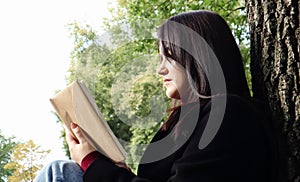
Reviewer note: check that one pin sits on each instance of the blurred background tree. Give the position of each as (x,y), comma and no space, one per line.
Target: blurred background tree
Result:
(26,160)
(7,145)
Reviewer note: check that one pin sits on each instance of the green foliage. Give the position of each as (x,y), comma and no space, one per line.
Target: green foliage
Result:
(84,39)
(7,145)
(232,11)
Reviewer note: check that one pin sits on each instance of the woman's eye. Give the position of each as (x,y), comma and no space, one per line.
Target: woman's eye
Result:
(169,59)
(162,58)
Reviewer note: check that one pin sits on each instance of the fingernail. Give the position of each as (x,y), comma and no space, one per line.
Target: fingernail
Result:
(73,125)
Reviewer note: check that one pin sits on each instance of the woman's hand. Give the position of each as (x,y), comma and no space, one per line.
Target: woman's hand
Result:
(79,146)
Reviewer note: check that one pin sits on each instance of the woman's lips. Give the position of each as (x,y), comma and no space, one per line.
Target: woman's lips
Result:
(167,81)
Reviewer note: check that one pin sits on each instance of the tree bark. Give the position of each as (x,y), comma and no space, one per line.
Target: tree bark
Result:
(275,68)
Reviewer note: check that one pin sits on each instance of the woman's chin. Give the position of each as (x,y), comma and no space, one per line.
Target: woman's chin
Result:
(173,94)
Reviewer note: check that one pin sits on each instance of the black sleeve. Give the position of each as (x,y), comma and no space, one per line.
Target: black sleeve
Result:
(103,169)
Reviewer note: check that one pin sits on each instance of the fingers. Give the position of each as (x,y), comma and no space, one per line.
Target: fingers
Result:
(78,145)
(71,140)
(77,132)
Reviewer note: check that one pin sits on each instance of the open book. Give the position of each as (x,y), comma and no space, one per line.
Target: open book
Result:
(76,104)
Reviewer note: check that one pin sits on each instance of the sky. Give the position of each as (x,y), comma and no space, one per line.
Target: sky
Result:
(34,54)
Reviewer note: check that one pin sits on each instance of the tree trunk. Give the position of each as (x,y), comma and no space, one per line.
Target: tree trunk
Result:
(275,68)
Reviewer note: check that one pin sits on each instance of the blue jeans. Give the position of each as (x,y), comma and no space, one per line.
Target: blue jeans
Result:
(60,170)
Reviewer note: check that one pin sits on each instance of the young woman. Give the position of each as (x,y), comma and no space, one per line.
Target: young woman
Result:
(215,133)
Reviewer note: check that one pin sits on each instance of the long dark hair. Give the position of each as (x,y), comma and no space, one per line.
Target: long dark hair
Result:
(216,34)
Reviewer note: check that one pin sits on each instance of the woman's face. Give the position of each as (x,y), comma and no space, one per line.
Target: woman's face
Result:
(174,77)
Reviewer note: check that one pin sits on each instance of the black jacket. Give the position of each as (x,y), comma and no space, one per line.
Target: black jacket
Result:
(240,150)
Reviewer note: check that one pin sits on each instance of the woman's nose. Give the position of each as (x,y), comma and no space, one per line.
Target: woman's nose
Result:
(162,69)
